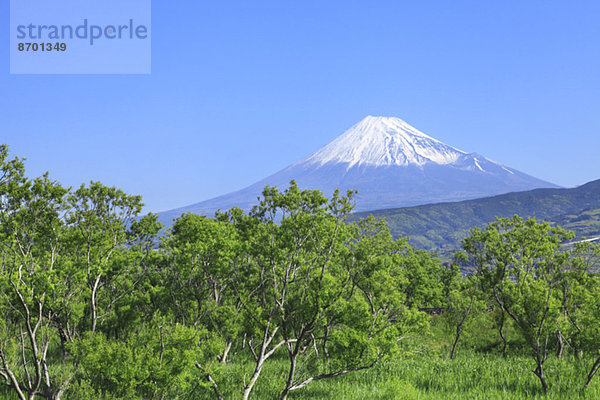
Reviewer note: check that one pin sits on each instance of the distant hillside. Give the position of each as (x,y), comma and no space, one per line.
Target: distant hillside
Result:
(440,227)
(585,223)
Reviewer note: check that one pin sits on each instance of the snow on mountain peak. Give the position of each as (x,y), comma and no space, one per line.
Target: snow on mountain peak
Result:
(384,141)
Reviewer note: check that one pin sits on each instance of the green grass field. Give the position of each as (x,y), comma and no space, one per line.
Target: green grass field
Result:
(478,372)
(470,375)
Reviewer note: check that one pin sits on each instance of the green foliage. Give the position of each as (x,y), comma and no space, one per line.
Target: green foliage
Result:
(155,362)
(523,265)
(334,294)
(63,269)
(200,255)
(286,297)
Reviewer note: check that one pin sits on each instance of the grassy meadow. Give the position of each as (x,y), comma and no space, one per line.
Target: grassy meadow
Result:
(478,371)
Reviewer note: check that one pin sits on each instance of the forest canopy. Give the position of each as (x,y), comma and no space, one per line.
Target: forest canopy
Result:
(94,303)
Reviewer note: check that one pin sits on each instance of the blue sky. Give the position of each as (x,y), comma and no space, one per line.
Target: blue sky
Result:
(241,89)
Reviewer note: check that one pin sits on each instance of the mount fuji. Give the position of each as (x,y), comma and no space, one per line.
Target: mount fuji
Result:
(391,164)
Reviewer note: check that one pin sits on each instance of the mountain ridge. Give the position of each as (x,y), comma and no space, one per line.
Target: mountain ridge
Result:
(440,227)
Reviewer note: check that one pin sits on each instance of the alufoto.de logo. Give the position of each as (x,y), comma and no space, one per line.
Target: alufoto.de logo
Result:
(85,30)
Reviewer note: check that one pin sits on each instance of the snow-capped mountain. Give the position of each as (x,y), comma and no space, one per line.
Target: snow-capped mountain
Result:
(380,141)
(391,164)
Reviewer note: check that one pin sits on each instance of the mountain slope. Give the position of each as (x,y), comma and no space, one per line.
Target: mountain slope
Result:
(391,164)
(440,227)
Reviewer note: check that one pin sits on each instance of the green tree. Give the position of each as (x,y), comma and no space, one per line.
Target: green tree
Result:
(528,265)
(98,216)
(328,292)
(31,282)
(490,252)
(581,304)
(201,252)
(155,361)
(67,263)
(462,299)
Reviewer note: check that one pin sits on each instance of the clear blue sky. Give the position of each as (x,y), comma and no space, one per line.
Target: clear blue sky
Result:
(241,89)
